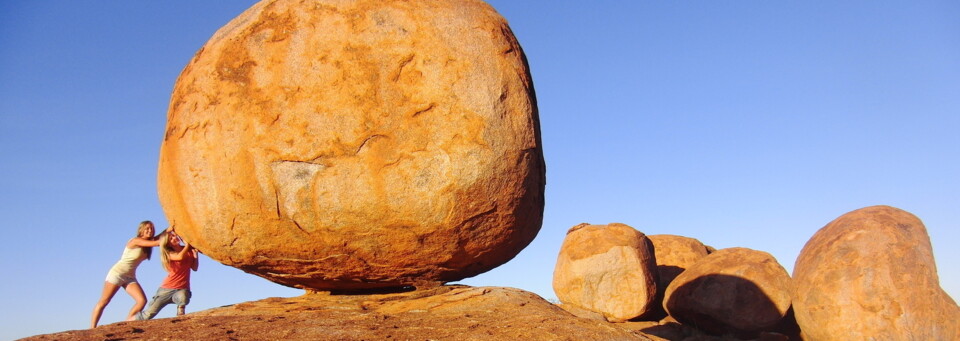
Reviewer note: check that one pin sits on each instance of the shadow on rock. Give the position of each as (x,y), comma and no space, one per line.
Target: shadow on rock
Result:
(724,305)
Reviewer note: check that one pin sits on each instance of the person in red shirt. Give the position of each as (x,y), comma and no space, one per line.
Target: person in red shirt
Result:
(178,260)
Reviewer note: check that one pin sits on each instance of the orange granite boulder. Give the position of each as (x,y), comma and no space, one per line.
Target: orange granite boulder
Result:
(342,145)
(608,269)
(870,274)
(731,291)
(674,254)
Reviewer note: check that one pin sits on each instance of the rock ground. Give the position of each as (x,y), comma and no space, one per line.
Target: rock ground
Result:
(442,313)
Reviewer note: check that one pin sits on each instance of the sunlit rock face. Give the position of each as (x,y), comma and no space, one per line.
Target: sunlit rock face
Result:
(607,269)
(731,291)
(339,145)
(870,274)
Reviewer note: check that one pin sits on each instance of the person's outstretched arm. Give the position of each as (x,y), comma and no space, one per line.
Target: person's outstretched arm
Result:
(180,254)
(142,242)
(196,258)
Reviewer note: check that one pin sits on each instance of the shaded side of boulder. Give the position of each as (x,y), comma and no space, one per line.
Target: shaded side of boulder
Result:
(674,254)
(870,274)
(731,291)
(337,145)
(609,269)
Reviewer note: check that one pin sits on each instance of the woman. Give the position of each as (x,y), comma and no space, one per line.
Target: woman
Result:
(123,274)
(178,261)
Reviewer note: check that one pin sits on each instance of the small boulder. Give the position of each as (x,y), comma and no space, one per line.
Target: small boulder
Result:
(674,255)
(735,291)
(870,274)
(608,269)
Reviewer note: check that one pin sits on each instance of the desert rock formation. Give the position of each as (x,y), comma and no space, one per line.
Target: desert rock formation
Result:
(341,145)
(675,254)
(608,269)
(870,274)
(442,313)
(731,291)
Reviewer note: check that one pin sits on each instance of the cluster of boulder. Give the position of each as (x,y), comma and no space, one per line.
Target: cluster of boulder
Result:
(382,144)
(869,274)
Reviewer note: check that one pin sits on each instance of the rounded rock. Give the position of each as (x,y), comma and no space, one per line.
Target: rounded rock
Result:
(341,145)
(870,274)
(735,290)
(608,269)
(675,254)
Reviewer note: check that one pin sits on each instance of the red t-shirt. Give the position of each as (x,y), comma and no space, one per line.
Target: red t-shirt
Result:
(179,275)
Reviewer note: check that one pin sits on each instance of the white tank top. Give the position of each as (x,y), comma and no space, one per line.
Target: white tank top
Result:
(129,261)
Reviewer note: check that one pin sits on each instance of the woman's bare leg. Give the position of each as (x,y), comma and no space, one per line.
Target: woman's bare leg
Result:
(109,289)
(136,292)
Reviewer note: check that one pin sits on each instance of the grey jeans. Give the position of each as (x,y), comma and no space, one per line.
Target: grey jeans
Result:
(164,296)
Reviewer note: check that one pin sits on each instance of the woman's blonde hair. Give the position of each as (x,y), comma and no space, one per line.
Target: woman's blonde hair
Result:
(143,227)
(165,248)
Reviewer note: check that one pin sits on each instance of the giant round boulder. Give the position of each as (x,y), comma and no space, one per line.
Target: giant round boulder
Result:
(356,144)
(870,274)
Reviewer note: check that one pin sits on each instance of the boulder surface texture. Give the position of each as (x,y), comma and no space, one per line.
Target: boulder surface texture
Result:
(359,144)
(870,274)
(736,290)
(674,255)
(608,269)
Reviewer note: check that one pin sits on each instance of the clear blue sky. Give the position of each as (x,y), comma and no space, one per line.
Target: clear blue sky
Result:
(739,123)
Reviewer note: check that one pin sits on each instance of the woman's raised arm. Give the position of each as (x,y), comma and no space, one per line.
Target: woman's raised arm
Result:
(196,258)
(179,255)
(142,242)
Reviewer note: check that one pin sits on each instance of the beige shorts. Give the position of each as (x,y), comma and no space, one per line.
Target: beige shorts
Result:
(120,279)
